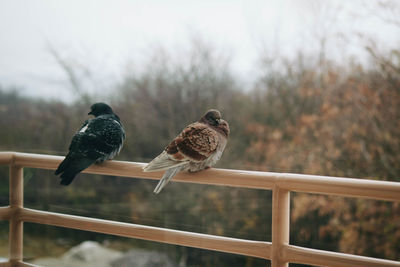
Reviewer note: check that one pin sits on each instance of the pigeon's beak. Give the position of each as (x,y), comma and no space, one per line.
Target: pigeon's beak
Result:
(219,121)
(90,113)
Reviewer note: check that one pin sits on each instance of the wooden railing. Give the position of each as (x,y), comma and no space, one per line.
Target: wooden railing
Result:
(279,251)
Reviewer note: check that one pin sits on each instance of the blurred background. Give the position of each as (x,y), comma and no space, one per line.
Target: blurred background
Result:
(307,86)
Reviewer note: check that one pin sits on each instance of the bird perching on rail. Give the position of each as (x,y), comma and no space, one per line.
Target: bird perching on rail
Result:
(98,139)
(199,146)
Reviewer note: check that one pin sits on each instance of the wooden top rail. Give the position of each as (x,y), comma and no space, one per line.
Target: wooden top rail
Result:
(5,213)
(350,187)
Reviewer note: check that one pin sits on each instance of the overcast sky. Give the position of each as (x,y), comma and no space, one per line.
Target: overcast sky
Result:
(110,34)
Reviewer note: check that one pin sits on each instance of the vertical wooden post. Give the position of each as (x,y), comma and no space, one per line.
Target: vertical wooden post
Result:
(280,225)
(16,225)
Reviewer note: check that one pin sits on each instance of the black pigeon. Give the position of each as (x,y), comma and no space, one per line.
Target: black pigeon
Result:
(98,139)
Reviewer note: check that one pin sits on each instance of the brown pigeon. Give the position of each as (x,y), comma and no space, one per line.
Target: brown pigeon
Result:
(199,146)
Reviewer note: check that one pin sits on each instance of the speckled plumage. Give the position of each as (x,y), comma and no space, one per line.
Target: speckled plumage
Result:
(98,139)
(199,146)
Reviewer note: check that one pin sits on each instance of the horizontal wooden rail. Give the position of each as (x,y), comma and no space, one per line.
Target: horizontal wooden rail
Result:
(5,213)
(258,249)
(134,170)
(6,158)
(317,257)
(350,187)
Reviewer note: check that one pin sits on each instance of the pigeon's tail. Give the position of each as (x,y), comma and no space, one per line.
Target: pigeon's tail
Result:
(168,175)
(70,167)
(63,165)
(67,177)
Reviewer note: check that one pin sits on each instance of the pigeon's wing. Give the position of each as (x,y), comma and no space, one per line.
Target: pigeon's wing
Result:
(100,139)
(74,153)
(195,143)
(84,126)
(97,140)
(81,153)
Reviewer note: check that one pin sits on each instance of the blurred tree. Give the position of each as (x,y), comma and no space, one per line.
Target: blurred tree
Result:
(347,126)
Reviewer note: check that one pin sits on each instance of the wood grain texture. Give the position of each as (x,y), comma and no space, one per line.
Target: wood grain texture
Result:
(258,249)
(327,258)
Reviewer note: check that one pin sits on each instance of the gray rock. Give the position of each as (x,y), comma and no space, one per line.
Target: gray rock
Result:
(49,262)
(87,254)
(91,252)
(143,258)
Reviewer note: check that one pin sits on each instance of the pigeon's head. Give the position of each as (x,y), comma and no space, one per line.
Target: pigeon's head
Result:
(212,117)
(98,109)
